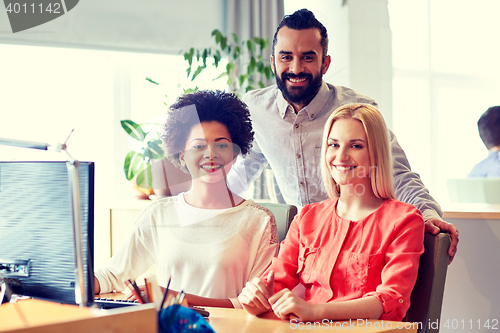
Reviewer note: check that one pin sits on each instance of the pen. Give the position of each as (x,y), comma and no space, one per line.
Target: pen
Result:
(165,293)
(144,299)
(147,285)
(180,297)
(134,292)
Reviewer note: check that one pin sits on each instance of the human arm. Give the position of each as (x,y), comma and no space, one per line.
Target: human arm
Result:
(410,189)
(267,248)
(255,295)
(134,257)
(393,272)
(97,286)
(189,299)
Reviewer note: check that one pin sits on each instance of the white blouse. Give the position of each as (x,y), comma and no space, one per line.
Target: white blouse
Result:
(207,252)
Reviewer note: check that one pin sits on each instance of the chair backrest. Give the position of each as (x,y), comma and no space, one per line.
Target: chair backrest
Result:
(283,214)
(475,190)
(427,295)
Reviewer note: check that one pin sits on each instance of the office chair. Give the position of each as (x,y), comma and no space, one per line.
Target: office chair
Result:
(475,190)
(283,214)
(427,295)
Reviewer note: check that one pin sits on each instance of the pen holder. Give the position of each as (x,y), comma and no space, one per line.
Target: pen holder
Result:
(179,319)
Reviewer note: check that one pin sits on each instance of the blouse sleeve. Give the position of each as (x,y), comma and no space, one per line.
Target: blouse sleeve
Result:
(285,265)
(400,271)
(132,259)
(268,248)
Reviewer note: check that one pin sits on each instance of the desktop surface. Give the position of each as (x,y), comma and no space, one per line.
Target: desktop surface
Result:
(237,320)
(34,316)
(38,316)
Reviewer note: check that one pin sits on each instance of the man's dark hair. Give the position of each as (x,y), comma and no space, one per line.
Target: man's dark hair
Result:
(300,20)
(206,106)
(489,127)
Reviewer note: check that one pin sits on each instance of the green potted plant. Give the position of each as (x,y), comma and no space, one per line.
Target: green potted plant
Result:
(244,71)
(138,162)
(245,68)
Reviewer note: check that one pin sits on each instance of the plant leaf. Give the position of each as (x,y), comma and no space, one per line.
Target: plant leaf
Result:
(190,90)
(269,72)
(151,80)
(242,79)
(143,173)
(133,129)
(217,58)
(223,43)
(155,149)
(204,57)
(264,43)
(251,46)
(218,36)
(188,56)
(235,38)
(197,72)
(132,161)
(237,52)
(221,75)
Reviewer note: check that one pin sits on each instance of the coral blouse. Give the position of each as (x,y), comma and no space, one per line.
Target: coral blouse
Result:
(339,260)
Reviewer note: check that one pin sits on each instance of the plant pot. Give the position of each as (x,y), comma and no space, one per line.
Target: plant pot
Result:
(140,192)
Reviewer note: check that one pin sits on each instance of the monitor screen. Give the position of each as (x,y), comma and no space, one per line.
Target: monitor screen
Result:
(37,254)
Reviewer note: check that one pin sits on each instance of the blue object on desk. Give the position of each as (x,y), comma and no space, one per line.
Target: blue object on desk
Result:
(179,319)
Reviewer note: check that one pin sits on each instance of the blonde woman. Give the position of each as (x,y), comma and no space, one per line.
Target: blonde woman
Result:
(356,253)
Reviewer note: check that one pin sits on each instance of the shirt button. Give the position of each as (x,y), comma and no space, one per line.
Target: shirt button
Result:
(368,265)
(298,155)
(401,300)
(301,184)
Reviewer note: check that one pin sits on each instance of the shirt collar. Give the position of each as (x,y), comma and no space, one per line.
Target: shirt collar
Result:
(312,109)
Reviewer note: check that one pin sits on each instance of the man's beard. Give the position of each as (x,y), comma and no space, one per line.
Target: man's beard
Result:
(300,95)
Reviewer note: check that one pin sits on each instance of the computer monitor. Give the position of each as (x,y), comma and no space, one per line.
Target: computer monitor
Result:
(37,244)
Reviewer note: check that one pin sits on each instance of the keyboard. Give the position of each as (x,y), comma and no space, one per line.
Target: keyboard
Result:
(108,303)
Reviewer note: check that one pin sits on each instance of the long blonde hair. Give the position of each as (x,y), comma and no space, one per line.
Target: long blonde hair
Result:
(381,174)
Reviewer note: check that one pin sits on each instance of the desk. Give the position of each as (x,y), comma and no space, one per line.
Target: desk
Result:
(471,291)
(237,320)
(37,316)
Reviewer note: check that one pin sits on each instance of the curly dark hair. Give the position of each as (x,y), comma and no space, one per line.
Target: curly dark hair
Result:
(205,106)
(300,20)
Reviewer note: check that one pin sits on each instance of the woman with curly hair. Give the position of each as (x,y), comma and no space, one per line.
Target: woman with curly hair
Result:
(209,240)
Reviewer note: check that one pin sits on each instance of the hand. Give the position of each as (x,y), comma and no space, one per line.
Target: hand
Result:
(434,226)
(287,305)
(254,297)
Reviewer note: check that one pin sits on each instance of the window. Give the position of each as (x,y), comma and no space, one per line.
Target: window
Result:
(46,92)
(446,74)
